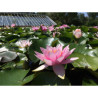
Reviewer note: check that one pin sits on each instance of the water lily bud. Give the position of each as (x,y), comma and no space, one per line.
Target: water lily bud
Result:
(13,25)
(7,27)
(77,33)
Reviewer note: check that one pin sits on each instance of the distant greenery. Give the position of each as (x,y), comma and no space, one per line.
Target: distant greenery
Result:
(74,18)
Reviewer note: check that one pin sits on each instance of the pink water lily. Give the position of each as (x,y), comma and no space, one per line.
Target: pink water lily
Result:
(61,27)
(95,27)
(55,57)
(13,25)
(44,28)
(51,28)
(65,25)
(77,33)
(35,28)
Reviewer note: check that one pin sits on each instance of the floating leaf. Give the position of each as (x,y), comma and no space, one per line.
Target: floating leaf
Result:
(85,61)
(13,77)
(7,56)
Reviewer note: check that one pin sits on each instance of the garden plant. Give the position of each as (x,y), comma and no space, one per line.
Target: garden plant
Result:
(49,55)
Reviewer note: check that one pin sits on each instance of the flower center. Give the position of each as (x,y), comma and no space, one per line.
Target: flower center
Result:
(54,50)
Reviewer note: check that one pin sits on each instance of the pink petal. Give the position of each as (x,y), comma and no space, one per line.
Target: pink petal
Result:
(40,56)
(37,53)
(41,67)
(64,53)
(52,56)
(59,71)
(48,47)
(69,53)
(48,62)
(60,59)
(58,54)
(66,48)
(59,47)
(69,60)
(43,50)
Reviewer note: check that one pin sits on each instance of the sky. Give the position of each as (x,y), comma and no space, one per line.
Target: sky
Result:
(85,13)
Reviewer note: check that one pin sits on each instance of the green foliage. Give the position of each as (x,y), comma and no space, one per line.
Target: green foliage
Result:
(78,19)
(16,66)
(85,61)
(14,77)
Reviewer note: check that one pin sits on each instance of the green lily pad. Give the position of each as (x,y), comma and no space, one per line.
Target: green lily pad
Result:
(7,56)
(13,77)
(85,61)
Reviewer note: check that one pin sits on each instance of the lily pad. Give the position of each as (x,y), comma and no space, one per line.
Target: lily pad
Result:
(13,77)
(85,61)
(7,56)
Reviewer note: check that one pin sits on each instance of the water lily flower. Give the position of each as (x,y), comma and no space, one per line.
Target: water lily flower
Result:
(23,43)
(13,25)
(77,33)
(51,28)
(61,27)
(95,27)
(65,25)
(44,28)
(55,57)
(35,28)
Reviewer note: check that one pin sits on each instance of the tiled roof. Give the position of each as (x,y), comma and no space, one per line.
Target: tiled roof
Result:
(24,19)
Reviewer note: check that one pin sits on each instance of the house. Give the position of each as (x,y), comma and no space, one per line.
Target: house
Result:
(24,19)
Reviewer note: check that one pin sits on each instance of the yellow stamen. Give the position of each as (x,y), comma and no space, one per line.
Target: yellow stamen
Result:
(54,50)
